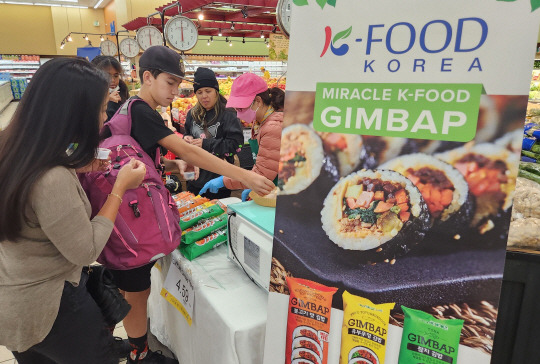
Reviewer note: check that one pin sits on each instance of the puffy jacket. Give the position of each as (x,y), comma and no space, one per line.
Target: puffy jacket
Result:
(269,139)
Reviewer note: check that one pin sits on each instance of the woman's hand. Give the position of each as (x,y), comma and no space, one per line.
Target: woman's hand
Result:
(197,142)
(131,175)
(115,96)
(188,139)
(259,184)
(97,165)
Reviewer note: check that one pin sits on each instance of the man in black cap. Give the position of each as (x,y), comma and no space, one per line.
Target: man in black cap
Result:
(161,71)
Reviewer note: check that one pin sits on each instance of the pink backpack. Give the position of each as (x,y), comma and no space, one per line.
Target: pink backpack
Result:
(146,227)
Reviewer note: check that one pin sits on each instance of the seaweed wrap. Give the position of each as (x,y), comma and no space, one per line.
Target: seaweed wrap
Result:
(301,159)
(490,171)
(373,209)
(380,149)
(443,188)
(347,149)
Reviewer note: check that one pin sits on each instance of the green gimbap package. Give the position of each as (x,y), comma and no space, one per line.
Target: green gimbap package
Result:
(188,220)
(192,251)
(204,228)
(429,340)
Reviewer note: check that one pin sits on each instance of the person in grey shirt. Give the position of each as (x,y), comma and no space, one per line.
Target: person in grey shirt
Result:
(46,234)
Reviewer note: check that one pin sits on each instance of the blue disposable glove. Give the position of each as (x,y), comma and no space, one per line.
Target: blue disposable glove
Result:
(213,185)
(245,195)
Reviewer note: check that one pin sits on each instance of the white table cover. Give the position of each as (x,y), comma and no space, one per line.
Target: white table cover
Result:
(229,315)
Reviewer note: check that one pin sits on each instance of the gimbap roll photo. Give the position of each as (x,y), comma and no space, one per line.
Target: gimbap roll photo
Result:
(302,353)
(301,159)
(362,355)
(490,171)
(443,188)
(372,209)
(306,331)
(308,343)
(347,150)
(380,149)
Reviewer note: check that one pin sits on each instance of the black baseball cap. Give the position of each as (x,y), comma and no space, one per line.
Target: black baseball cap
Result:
(164,59)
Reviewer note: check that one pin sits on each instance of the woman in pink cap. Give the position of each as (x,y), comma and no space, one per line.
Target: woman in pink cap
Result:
(255,102)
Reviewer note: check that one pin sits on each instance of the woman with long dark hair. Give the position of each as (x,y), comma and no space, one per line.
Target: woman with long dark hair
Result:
(213,127)
(46,235)
(118,91)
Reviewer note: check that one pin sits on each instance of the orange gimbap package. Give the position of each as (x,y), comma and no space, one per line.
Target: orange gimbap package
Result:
(308,321)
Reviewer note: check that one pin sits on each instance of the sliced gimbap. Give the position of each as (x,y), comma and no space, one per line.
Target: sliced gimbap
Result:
(347,149)
(301,159)
(375,208)
(490,171)
(443,188)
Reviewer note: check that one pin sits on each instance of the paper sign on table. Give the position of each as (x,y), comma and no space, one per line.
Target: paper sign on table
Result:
(178,290)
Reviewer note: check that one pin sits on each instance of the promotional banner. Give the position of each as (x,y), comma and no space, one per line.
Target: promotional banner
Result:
(402,130)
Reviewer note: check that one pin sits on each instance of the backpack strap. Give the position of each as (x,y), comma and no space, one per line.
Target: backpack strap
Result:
(120,124)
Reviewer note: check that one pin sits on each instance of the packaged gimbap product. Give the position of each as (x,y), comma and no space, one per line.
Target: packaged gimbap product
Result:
(204,228)
(490,172)
(206,211)
(193,250)
(375,209)
(429,340)
(308,322)
(184,205)
(347,149)
(443,188)
(301,159)
(365,329)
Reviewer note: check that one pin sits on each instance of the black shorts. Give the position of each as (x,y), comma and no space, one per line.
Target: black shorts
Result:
(133,280)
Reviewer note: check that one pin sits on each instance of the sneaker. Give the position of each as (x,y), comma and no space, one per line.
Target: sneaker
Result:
(122,347)
(150,357)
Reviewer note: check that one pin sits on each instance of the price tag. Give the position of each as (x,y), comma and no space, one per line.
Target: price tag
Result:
(178,290)
(247,135)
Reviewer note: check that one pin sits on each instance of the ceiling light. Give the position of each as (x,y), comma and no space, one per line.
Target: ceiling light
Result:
(219,34)
(98,4)
(267,45)
(39,4)
(67,1)
(73,6)
(69,39)
(208,43)
(85,37)
(262,35)
(16,3)
(101,38)
(62,45)
(201,16)
(230,44)
(232,25)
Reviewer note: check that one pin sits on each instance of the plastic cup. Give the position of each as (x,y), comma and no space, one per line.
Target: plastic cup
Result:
(103,153)
(189,176)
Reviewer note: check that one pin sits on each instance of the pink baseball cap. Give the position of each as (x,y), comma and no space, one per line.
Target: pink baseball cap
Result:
(244,89)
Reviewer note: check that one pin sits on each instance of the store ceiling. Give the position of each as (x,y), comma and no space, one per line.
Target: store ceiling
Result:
(234,18)
(64,3)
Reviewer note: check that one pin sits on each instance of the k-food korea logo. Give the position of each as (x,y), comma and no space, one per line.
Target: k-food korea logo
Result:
(331,42)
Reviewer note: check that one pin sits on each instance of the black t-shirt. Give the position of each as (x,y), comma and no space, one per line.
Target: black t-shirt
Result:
(112,108)
(147,128)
